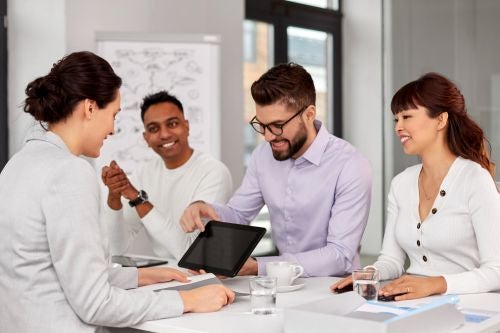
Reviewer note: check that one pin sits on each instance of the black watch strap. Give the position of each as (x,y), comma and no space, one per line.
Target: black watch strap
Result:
(141,198)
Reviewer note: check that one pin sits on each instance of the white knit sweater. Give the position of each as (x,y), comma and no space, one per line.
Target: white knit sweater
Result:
(459,241)
(170,191)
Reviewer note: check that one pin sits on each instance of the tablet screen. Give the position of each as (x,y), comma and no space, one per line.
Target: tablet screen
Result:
(222,248)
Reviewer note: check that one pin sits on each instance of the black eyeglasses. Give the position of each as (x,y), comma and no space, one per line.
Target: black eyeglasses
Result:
(276,129)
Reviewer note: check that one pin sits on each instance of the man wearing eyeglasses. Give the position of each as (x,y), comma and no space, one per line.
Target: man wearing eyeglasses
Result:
(316,186)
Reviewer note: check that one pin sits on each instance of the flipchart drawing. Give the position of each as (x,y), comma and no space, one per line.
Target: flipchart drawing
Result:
(187,70)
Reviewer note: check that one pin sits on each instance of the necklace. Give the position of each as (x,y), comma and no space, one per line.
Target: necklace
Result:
(426,196)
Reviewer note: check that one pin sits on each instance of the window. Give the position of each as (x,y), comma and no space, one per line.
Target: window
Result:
(258,53)
(310,48)
(332,4)
(299,31)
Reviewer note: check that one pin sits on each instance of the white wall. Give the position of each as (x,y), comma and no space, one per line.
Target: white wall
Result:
(36,39)
(362,100)
(458,38)
(42,31)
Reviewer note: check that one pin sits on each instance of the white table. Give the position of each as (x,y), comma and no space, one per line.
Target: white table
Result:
(238,318)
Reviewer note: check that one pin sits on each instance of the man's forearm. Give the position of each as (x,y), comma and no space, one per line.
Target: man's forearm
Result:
(144,208)
(114,202)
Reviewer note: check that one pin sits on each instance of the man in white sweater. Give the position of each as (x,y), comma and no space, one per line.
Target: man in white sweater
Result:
(153,199)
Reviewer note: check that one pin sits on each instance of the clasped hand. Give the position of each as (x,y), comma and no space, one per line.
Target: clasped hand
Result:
(117,183)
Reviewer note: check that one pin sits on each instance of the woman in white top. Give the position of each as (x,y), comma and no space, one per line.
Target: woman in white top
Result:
(54,273)
(444,214)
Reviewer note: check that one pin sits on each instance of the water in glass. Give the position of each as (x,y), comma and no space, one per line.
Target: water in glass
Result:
(367,288)
(263,302)
(263,294)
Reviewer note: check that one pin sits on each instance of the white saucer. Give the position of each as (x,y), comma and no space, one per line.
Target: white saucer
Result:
(293,287)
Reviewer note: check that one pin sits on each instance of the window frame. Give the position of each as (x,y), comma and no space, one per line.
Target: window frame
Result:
(282,14)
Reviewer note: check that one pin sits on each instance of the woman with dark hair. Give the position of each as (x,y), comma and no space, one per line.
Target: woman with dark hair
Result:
(444,214)
(54,270)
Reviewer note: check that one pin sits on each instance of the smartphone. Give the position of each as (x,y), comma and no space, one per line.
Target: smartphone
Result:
(137,262)
(389,298)
(343,290)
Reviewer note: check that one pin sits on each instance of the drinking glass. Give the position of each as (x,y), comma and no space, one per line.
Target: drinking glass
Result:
(263,294)
(366,283)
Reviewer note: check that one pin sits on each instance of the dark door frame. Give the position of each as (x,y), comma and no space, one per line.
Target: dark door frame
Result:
(281,14)
(4,135)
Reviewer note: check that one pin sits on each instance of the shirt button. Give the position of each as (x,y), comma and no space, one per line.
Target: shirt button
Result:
(418,243)
(424,258)
(418,226)
(442,193)
(434,210)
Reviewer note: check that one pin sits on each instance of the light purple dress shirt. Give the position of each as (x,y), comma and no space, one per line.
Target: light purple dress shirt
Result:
(318,204)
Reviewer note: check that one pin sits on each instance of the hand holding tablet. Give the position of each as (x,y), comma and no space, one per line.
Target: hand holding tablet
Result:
(222,248)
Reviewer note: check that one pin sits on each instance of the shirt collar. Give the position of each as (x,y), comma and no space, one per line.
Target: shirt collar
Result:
(40,134)
(315,151)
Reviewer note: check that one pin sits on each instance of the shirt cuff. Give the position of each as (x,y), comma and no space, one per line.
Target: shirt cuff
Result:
(153,222)
(173,306)
(456,284)
(123,277)
(262,261)
(113,214)
(218,209)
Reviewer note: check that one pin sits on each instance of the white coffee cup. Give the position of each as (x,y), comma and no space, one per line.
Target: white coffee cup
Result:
(284,271)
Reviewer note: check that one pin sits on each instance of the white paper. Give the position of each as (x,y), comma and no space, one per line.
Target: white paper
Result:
(172,284)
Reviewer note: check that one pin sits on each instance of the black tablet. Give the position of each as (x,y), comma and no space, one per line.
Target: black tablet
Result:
(222,248)
(127,261)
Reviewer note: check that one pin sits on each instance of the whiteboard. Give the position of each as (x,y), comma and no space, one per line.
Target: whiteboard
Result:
(187,66)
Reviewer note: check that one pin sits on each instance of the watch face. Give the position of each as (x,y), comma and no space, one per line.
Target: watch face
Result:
(142,197)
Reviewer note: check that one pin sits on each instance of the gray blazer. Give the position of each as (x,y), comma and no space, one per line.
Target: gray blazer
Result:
(54,274)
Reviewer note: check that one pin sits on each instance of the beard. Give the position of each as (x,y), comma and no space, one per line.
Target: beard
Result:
(294,145)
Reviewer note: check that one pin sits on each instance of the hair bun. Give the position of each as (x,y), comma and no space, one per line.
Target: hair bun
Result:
(74,78)
(45,99)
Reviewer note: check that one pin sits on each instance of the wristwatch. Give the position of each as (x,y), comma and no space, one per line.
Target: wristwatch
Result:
(142,197)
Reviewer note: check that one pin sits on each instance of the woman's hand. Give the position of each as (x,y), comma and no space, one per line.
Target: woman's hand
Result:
(150,275)
(202,271)
(414,287)
(207,298)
